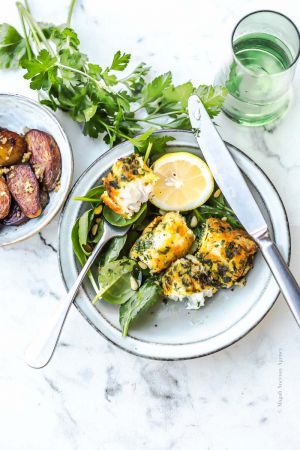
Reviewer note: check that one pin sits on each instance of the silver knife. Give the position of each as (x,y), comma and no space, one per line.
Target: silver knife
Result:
(232,184)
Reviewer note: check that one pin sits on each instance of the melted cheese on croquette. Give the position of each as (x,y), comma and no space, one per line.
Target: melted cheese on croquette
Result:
(128,185)
(186,279)
(164,240)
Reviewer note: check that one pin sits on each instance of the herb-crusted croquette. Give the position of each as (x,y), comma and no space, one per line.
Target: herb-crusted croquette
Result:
(164,240)
(187,279)
(225,252)
(128,184)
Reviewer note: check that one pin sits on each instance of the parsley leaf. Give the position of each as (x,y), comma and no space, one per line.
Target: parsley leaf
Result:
(152,91)
(38,69)
(99,99)
(212,98)
(120,61)
(12,47)
(158,145)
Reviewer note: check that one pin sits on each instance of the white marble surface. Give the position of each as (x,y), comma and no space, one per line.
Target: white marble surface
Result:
(93,395)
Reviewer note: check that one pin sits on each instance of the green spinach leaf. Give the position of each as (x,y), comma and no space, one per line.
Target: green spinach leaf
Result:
(80,254)
(114,281)
(84,226)
(119,221)
(114,249)
(92,196)
(147,295)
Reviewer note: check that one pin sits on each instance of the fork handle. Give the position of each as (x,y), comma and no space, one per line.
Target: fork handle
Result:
(41,349)
(282,274)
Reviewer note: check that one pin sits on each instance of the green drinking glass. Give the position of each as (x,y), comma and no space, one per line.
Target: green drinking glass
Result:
(265,49)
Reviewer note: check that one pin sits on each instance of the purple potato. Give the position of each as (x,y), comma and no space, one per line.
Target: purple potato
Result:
(15,217)
(5,198)
(45,157)
(12,148)
(25,189)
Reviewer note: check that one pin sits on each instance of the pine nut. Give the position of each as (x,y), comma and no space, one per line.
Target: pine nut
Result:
(194,222)
(134,284)
(94,229)
(98,210)
(217,193)
(142,265)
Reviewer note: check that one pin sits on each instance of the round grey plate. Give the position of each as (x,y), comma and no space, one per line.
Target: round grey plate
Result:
(16,114)
(170,331)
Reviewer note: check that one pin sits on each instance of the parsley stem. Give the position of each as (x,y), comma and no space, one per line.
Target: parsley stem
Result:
(99,83)
(148,151)
(26,5)
(138,109)
(161,125)
(70,12)
(115,131)
(21,10)
(198,215)
(155,116)
(35,29)
(28,49)
(223,207)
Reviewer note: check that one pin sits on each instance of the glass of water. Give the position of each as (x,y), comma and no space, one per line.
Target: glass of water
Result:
(265,49)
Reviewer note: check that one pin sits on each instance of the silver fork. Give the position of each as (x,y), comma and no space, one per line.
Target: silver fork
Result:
(40,351)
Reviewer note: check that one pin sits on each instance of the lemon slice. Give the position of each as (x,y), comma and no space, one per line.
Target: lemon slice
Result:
(184,182)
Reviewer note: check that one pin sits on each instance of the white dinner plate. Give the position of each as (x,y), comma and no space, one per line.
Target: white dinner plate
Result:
(169,331)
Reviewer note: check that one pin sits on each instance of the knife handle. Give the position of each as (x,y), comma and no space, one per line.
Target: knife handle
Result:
(282,274)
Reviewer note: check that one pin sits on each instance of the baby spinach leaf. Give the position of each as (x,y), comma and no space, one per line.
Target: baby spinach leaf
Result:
(144,298)
(96,191)
(84,226)
(92,196)
(80,254)
(114,249)
(114,281)
(131,238)
(119,221)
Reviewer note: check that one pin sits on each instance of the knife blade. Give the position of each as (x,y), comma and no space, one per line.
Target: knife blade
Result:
(235,189)
(225,171)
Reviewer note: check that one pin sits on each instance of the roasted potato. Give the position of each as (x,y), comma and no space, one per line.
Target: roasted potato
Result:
(12,148)
(5,198)
(15,217)
(45,157)
(44,198)
(24,188)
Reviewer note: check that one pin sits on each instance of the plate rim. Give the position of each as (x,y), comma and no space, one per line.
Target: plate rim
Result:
(60,205)
(179,358)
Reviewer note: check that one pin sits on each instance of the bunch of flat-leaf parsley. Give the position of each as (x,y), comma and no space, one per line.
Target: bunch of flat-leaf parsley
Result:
(96,97)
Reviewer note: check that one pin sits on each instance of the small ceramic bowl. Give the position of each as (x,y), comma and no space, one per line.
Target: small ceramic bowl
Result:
(18,113)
